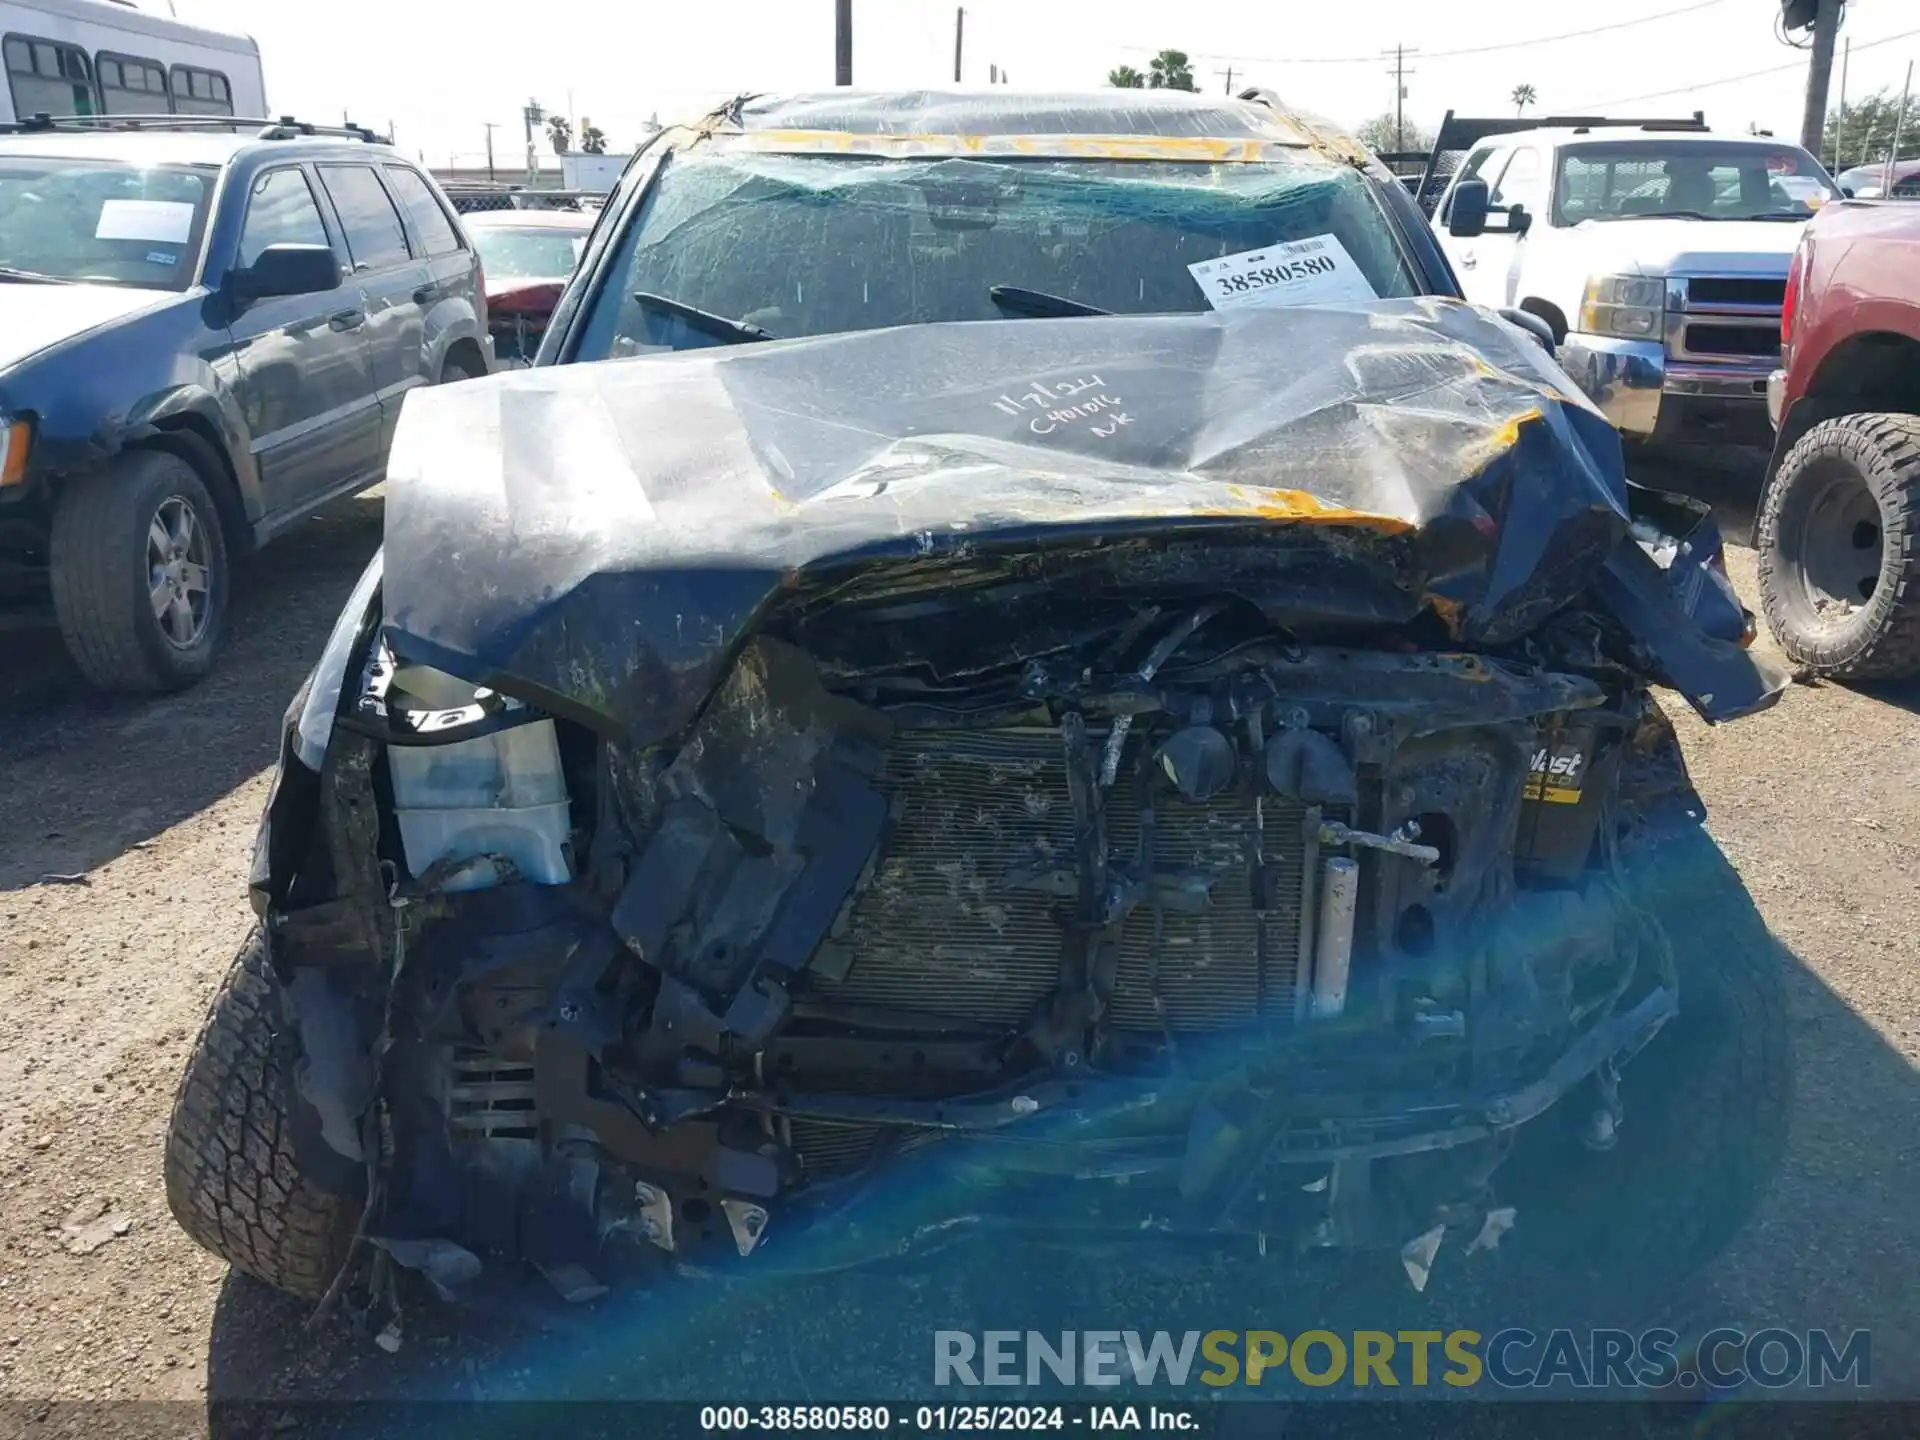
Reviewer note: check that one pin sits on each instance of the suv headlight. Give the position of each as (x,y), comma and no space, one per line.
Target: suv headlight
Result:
(1632,307)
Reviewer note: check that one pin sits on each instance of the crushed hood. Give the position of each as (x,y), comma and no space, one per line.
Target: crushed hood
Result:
(599,538)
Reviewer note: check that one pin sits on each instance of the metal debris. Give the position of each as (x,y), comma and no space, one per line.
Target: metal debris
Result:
(656,1215)
(446,1265)
(747,1221)
(1498,1222)
(1417,1255)
(572,1283)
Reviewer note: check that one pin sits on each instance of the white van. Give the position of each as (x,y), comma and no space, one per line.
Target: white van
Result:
(107,57)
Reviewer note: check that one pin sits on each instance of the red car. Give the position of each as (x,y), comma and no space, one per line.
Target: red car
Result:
(1839,527)
(529,256)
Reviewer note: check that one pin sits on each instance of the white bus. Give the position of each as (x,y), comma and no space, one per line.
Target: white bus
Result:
(106,57)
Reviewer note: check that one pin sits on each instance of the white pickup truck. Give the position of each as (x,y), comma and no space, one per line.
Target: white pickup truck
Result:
(1658,253)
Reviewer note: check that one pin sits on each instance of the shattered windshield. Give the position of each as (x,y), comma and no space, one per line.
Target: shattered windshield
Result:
(810,245)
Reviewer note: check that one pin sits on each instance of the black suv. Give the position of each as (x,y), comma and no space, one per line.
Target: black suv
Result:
(204,335)
(1172,756)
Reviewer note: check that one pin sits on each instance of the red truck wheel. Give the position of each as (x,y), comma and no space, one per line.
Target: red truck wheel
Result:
(1839,548)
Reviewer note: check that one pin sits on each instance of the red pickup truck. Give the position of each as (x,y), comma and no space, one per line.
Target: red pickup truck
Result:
(1839,528)
(1838,534)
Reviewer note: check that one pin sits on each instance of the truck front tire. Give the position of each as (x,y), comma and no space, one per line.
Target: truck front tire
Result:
(1839,548)
(233,1175)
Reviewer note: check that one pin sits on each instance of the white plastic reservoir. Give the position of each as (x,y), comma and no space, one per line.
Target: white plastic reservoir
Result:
(502,794)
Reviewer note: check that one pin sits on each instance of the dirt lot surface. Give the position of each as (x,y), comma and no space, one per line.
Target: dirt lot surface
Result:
(125,830)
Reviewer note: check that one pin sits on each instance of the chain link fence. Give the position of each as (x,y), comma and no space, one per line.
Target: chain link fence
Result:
(470,198)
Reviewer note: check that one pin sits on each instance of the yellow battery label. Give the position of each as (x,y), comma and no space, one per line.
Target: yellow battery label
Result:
(1556,775)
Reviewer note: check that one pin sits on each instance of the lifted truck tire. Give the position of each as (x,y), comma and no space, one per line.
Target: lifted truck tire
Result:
(233,1178)
(1839,548)
(142,522)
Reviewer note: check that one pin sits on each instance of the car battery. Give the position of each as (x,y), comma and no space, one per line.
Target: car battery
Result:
(1570,773)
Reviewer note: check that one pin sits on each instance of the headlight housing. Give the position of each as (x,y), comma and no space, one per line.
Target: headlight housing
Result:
(14,436)
(1632,307)
(315,728)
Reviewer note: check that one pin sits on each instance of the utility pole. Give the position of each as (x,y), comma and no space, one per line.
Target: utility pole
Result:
(491,127)
(1840,115)
(1400,73)
(959,39)
(1899,130)
(1813,123)
(1228,72)
(843,42)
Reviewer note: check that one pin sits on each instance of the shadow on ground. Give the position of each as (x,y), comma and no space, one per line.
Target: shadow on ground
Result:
(110,772)
(1691,1223)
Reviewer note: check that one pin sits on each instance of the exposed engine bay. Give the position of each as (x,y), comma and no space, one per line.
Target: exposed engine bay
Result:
(1211,873)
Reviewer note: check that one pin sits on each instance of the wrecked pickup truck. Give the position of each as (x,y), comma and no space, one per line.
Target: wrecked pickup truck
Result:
(1171,773)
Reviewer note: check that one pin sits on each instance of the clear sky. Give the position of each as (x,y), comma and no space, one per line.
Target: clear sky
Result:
(440,69)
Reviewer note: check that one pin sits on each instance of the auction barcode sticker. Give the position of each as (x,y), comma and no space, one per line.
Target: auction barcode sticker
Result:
(1313,271)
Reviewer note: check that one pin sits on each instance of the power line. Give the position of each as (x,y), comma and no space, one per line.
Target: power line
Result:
(1592,105)
(1442,54)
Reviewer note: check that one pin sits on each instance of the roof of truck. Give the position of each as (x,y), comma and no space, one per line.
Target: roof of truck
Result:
(1665,138)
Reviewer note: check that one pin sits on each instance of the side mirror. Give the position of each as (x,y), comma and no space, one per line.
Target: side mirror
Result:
(1847,190)
(1467,210)
(289,270)
(1538,328)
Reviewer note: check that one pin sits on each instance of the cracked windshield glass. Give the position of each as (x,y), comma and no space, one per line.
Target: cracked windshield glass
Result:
(806,245)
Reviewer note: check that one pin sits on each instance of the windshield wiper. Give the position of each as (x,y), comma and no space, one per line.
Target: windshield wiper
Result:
(1780,215)
(734,332)
(1039,303)
(32,277)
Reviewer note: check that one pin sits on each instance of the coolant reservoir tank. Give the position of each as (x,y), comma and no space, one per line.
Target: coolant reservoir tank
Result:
(501,794)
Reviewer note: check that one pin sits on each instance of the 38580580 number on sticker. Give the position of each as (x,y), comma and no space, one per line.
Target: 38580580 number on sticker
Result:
(1315,271)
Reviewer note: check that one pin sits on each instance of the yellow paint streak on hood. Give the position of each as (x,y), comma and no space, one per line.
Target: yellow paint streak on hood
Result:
(1299,505)
(1478,453)
(1191,148)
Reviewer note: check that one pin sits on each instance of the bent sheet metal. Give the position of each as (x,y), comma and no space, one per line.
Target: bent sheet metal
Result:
(600,538)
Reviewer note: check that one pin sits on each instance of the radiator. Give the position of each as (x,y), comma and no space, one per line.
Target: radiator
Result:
(941,929)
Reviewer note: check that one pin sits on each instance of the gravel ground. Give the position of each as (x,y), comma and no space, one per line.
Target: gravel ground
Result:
(103,982)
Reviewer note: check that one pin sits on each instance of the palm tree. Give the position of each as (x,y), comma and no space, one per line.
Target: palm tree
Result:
(560,133)
(593,140)
(1125,77)
(1171,70)
(1523,96)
